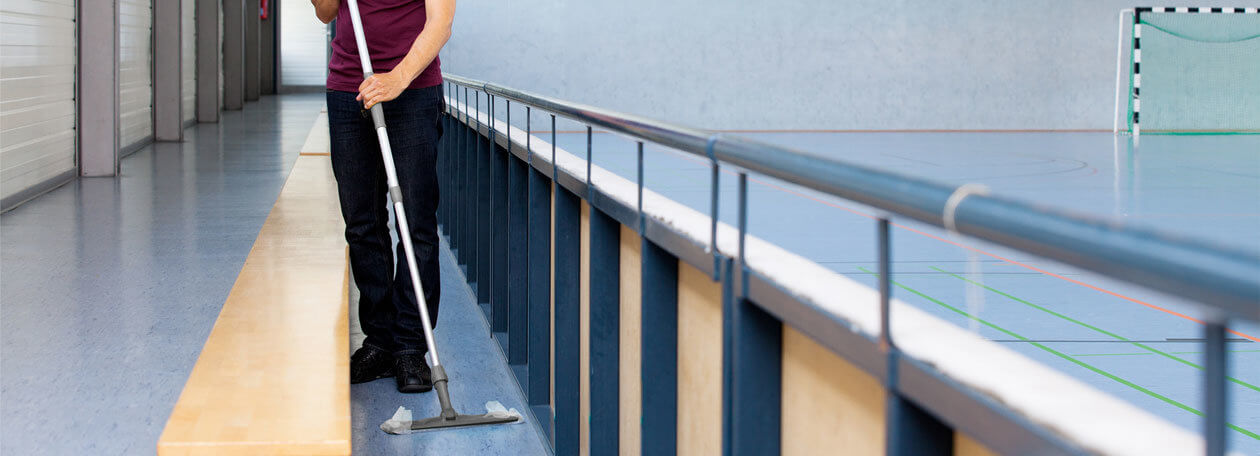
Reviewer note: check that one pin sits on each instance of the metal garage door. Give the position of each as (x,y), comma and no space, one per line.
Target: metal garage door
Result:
(135,71)
(37,105)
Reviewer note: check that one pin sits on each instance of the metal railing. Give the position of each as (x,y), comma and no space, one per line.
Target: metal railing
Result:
(1225,284)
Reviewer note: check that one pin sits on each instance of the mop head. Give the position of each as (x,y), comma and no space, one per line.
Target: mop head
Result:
(401,422)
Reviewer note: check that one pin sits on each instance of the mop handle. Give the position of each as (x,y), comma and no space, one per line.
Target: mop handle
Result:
(391,176)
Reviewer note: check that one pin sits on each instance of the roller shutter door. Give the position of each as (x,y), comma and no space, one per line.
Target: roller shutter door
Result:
(37,95)
(135,70)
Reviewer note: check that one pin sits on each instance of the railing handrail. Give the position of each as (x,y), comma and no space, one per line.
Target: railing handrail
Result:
(1224,282)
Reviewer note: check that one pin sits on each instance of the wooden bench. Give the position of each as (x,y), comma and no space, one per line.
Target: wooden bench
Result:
(273,377)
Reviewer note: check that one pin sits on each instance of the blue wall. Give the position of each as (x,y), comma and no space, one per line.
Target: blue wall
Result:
(799,64)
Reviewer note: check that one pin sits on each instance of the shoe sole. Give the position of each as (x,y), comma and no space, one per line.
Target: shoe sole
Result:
(413,389)
(389,374)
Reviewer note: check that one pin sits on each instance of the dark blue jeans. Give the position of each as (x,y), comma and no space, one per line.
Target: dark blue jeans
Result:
(388,311)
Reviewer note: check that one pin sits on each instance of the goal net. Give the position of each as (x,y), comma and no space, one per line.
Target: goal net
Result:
(1194,71)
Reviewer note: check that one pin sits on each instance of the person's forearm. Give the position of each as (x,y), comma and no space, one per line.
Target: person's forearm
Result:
(326,10)
(436,31)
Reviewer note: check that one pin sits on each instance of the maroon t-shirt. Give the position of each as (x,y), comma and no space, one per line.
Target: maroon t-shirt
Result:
(390,26)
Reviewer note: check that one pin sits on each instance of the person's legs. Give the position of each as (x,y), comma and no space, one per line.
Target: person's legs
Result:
(356,163)
(414,129)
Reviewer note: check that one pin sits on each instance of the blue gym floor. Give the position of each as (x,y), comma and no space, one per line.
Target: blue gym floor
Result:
(1130,342)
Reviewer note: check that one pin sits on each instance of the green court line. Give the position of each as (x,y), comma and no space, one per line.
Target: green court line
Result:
(1095,328)
(1149,353)
(1065,356)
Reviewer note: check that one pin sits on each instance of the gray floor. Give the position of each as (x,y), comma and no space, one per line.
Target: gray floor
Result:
(110,286)
(478,372)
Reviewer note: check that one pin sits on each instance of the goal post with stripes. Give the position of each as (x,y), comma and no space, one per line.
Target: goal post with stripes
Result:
(1193,71)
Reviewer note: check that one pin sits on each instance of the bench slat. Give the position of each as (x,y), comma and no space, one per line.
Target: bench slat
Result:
(273,377)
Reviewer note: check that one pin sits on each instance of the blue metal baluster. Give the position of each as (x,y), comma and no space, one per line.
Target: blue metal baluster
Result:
(910,430)
(639,181)
(529,133)
(743,232)
(462,184)
(484,254)
(518,259)
(605,336)
(1214,386)
(567,251)
(885,288)
(499,239)
(475,227)
(752,351)
(659,349)
(589,191)
(554,166)
(713,206)
(539,277)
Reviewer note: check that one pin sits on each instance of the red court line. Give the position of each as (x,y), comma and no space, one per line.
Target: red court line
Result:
(991,255)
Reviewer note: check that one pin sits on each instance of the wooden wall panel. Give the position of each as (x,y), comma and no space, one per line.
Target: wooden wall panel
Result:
(584,354)
(829,405)
(631,399)
(699,362)
(965,446)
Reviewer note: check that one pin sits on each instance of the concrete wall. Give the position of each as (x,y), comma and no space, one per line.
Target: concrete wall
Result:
(793,64)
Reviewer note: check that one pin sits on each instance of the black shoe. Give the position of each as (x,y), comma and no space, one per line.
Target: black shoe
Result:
(412,373)
(370,363)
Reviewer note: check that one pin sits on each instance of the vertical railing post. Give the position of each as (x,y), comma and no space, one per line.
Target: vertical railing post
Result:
(461,195)
(567,319)
(499,237)
(529,133)
(590,191)
(883,243)
(752,353)
(470,193)
(484,224)
(539,289)
(1214,387)
(518,257)
(714,189)
(639,181)
(475,227)
(555,167)
(742,223)
(457,140)
(909,430)
(605,333)
(659,349)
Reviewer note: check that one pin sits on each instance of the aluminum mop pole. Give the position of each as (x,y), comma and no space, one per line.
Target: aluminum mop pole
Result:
(448,418)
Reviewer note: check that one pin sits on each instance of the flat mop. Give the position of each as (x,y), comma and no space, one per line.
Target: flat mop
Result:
(449,418)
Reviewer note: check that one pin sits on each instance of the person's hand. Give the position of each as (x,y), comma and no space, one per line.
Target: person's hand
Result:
(381,87)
